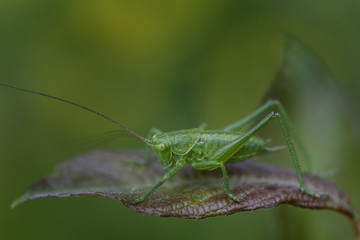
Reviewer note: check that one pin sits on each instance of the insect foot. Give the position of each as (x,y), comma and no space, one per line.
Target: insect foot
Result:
(233,197)
(310,193)
(139,200)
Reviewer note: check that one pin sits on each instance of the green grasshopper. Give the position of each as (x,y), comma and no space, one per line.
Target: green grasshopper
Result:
(205,149)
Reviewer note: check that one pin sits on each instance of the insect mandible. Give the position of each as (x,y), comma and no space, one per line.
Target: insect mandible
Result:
(204,149)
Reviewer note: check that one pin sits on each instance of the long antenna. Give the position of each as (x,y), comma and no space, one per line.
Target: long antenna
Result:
(80,106)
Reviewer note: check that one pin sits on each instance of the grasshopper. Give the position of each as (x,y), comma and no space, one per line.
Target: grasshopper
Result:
(205,149)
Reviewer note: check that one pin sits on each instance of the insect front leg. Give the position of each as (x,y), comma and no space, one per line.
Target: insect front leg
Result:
(178,166)
(275,105)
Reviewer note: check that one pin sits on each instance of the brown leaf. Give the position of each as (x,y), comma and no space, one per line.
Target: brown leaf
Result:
(191,194)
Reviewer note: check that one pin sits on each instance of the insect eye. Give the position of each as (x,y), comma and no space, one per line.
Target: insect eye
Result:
(161,146)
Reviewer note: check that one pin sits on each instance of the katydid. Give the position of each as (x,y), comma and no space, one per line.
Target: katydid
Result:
(205,149)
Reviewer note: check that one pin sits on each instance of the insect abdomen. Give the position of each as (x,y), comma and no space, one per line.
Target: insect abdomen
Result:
(211,142)
(253,147)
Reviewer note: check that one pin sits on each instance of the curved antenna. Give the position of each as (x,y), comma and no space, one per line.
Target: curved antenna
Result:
(80,106)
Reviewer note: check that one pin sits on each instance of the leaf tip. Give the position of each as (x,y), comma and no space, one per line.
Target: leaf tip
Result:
(14,204)
(17,202)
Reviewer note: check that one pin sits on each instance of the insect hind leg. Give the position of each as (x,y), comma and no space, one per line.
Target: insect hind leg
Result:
(268,106)
(220,157)
(294,156)
(228,151)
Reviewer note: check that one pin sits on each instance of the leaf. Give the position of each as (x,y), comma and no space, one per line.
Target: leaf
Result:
(316,102)
(303,74)
(191,194)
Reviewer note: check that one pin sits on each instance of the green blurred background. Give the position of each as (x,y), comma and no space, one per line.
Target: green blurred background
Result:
(170,64)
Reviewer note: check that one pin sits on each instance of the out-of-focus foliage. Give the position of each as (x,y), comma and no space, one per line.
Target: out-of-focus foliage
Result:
(170,65)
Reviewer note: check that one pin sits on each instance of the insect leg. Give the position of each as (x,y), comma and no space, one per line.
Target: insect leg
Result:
(221,156)
(289,141)
(229,150)
(239,125)
(154,131)
(178,166)
(276,105)
(226,183)
(225,153)
(213,164)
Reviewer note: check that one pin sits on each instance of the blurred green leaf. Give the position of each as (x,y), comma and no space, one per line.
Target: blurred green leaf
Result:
(303,73)
(318,105)
(191,194)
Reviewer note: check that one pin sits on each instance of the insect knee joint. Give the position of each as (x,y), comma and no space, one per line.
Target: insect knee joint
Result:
(274,102)
(275,114)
